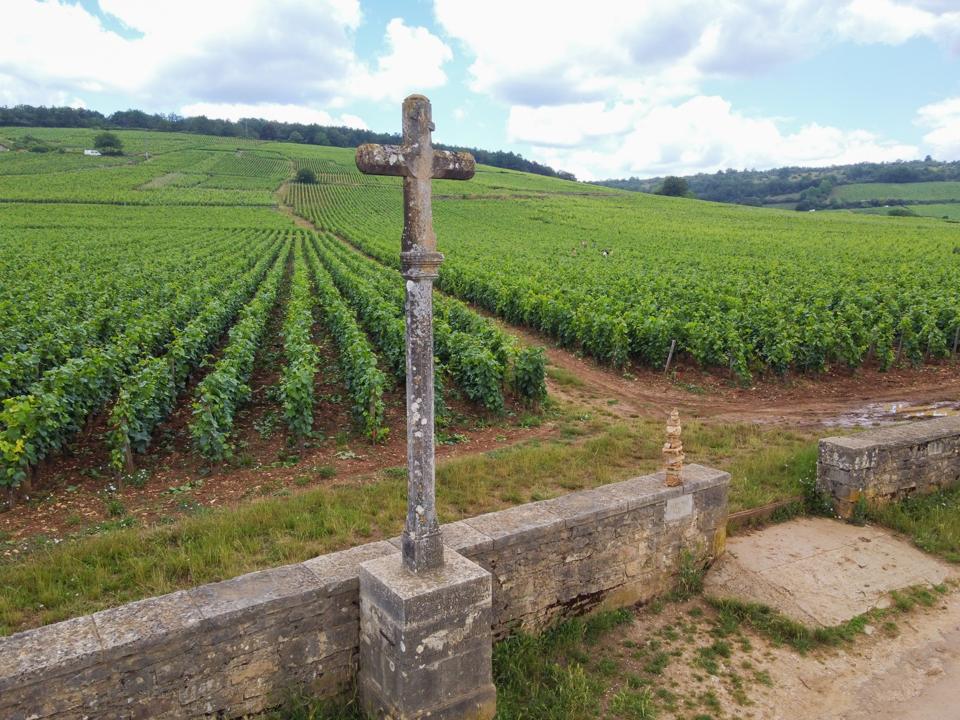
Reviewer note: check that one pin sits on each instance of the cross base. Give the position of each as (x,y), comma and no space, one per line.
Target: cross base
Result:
(422,552)
(426,641)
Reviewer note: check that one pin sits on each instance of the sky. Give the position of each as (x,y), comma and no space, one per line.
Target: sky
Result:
(603,89)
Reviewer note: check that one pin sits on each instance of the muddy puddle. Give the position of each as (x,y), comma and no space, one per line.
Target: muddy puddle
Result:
(889,413)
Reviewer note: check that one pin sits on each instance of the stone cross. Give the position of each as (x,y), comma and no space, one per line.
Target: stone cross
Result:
(418,163)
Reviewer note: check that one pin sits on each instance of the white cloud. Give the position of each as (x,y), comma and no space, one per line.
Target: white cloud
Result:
(75,50)
(539,52)
(568,125)
(893,23)
(543,53)
(271,111)
(704,134)
(943,120)
(415,61)
(14,91)
(610,88)
(271,52)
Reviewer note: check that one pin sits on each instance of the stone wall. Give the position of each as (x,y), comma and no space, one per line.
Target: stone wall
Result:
(236,647)
(890,462)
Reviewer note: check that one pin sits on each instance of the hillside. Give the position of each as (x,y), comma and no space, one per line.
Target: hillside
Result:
(622,276)
(187,328)
(246,129)
(841,187)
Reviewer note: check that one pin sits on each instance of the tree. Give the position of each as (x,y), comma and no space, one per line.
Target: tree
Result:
(108,144)
(295,137)
(306,175)
(674,187)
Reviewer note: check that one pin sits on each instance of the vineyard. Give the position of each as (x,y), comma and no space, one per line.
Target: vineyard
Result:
(145,292)
(628,278)
(135,291)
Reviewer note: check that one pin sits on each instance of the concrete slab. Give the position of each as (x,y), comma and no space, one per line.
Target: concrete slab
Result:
(820,571)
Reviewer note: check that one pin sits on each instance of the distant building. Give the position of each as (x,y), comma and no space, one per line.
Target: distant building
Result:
(92,153)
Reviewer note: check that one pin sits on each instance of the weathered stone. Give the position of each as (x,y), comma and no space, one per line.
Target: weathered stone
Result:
(673,452)
(465,539)
(53,650)
(128,628)
(418,163)
(265,633)
(338,572)
(678,508)
(644,490)
(890,462)
(270,590)
(425,638)
(515,525)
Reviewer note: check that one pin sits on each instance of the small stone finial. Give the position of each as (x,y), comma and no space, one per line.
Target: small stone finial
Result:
(673,451)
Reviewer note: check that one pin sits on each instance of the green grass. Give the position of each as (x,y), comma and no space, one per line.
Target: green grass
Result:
(782,630)
(300,706)
(947,211)
(950,211)
(931,521)
(566,673)
(548,676)
(857,192)
(562,376)
(80,576)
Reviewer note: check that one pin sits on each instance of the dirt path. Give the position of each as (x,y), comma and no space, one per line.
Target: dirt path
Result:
(282,207)
(823,572)
(695,666)
(840,397)
(914,676)
(904,666)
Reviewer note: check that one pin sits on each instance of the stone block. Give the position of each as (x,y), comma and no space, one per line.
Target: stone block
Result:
(589,506)
(516,525)
(425,640)
(338,572)
(130,628)
(678,508)
(266,590)
(465,539)
(889,463)
(644,490)
(48,652)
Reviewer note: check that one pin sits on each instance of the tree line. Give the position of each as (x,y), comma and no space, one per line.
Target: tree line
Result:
(808,187)
(250,128)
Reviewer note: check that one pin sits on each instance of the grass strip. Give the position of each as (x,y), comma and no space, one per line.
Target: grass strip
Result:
(782,630)
(931,521)
(64,579)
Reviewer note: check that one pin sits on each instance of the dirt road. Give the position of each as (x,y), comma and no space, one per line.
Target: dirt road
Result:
(837,397)
(915,676)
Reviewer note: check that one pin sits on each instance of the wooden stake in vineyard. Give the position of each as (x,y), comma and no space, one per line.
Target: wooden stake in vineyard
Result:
(418,163)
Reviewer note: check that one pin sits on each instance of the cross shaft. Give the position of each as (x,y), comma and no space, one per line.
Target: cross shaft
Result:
(418,163)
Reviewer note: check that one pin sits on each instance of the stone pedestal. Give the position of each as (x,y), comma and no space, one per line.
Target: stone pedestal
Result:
(425,640)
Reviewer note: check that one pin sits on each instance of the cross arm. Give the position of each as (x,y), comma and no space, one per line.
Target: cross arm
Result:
(375,159)
(453,165)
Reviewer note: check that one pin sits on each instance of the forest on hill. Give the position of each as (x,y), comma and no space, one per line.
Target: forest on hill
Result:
(246,128)
(804,188)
